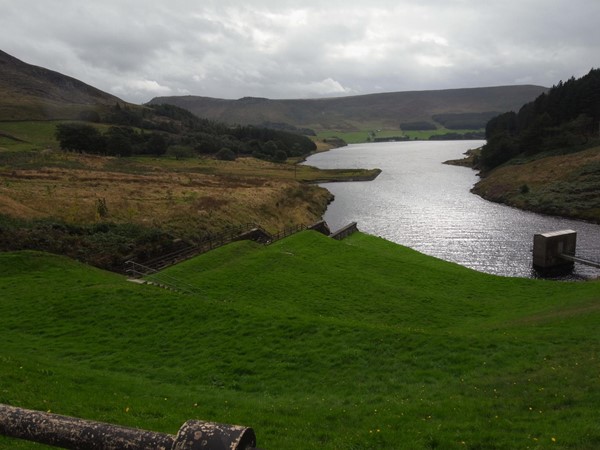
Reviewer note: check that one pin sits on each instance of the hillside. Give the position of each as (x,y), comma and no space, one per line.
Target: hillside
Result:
(315,343)
(30,93)
(387,110)
(562,185)
(104,210)
(564,119)
(34,93)
(546,156)
(133,181)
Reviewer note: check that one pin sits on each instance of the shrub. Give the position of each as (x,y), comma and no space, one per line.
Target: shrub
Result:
(280,156)
(225,154)
(80,138)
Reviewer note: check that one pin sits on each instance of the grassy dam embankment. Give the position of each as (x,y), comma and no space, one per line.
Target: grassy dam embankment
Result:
(315,343)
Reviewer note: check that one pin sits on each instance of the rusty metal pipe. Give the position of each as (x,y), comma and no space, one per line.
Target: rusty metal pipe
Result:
(79,434)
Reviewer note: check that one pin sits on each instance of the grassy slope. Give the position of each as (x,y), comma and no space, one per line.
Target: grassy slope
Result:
(182,196)
(27,135)
(315,343)
(30,92)
(565,185)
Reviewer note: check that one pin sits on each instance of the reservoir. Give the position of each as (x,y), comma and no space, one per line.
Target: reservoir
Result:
(419,202)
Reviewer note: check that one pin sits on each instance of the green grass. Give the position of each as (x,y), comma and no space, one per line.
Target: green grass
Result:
(361,136)
(426,134)
(351,137)
(315,343)
(37,135)
(24,150)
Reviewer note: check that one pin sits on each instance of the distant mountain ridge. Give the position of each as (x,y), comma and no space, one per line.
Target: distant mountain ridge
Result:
(29,92)
(359,112)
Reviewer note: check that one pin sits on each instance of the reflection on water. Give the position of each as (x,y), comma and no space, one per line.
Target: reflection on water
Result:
(421,203)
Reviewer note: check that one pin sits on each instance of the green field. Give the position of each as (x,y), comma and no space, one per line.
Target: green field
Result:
(315,343)
(29,135)
(361,136)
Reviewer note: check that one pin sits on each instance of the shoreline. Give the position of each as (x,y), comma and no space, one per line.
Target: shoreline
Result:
(350,179)
(535,186)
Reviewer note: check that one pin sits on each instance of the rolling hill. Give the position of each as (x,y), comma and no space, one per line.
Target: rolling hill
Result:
(385,110)
(315,343)
(29,92)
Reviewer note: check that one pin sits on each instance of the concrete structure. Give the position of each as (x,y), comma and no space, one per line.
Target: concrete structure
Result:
(549,248)
(344,232)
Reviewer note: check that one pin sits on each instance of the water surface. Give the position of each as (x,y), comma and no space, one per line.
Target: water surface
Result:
(421,203)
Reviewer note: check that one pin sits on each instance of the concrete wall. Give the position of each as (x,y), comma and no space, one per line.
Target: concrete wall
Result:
(547,248)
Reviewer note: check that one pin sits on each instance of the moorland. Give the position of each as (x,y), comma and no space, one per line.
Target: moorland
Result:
(103,180)
(415,115)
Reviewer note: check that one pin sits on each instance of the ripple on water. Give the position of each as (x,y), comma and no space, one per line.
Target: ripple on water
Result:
(423,204)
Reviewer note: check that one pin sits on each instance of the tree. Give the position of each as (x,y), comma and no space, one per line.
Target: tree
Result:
(80,138)
(564,117)
(502,124)
(498,150)
(119,141)
(280,156)
(156,145)
(225,154)
(270,148)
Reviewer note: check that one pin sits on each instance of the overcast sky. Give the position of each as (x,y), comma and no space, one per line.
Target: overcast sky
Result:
(139,49)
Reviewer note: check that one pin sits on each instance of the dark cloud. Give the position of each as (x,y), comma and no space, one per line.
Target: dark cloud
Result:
(287,49)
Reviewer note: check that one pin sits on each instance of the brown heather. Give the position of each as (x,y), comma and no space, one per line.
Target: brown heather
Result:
(185,197)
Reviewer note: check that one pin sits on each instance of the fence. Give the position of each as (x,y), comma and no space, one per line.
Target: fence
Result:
(250,231)
(209,243)
(287,232)
(344,232)
(137,270)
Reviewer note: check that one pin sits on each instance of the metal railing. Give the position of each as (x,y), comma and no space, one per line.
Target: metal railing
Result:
(579,260)
(247,231)
(252,231)
(210,242)
(139,271)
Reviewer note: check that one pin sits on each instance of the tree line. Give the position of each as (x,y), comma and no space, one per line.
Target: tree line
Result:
(166,129)
(566,117)
(115,141)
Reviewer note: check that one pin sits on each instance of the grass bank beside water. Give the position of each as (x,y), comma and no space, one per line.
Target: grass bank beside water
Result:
(356,344)
(563,185)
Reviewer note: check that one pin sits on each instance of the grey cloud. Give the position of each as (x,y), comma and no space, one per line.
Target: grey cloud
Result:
(282,49)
